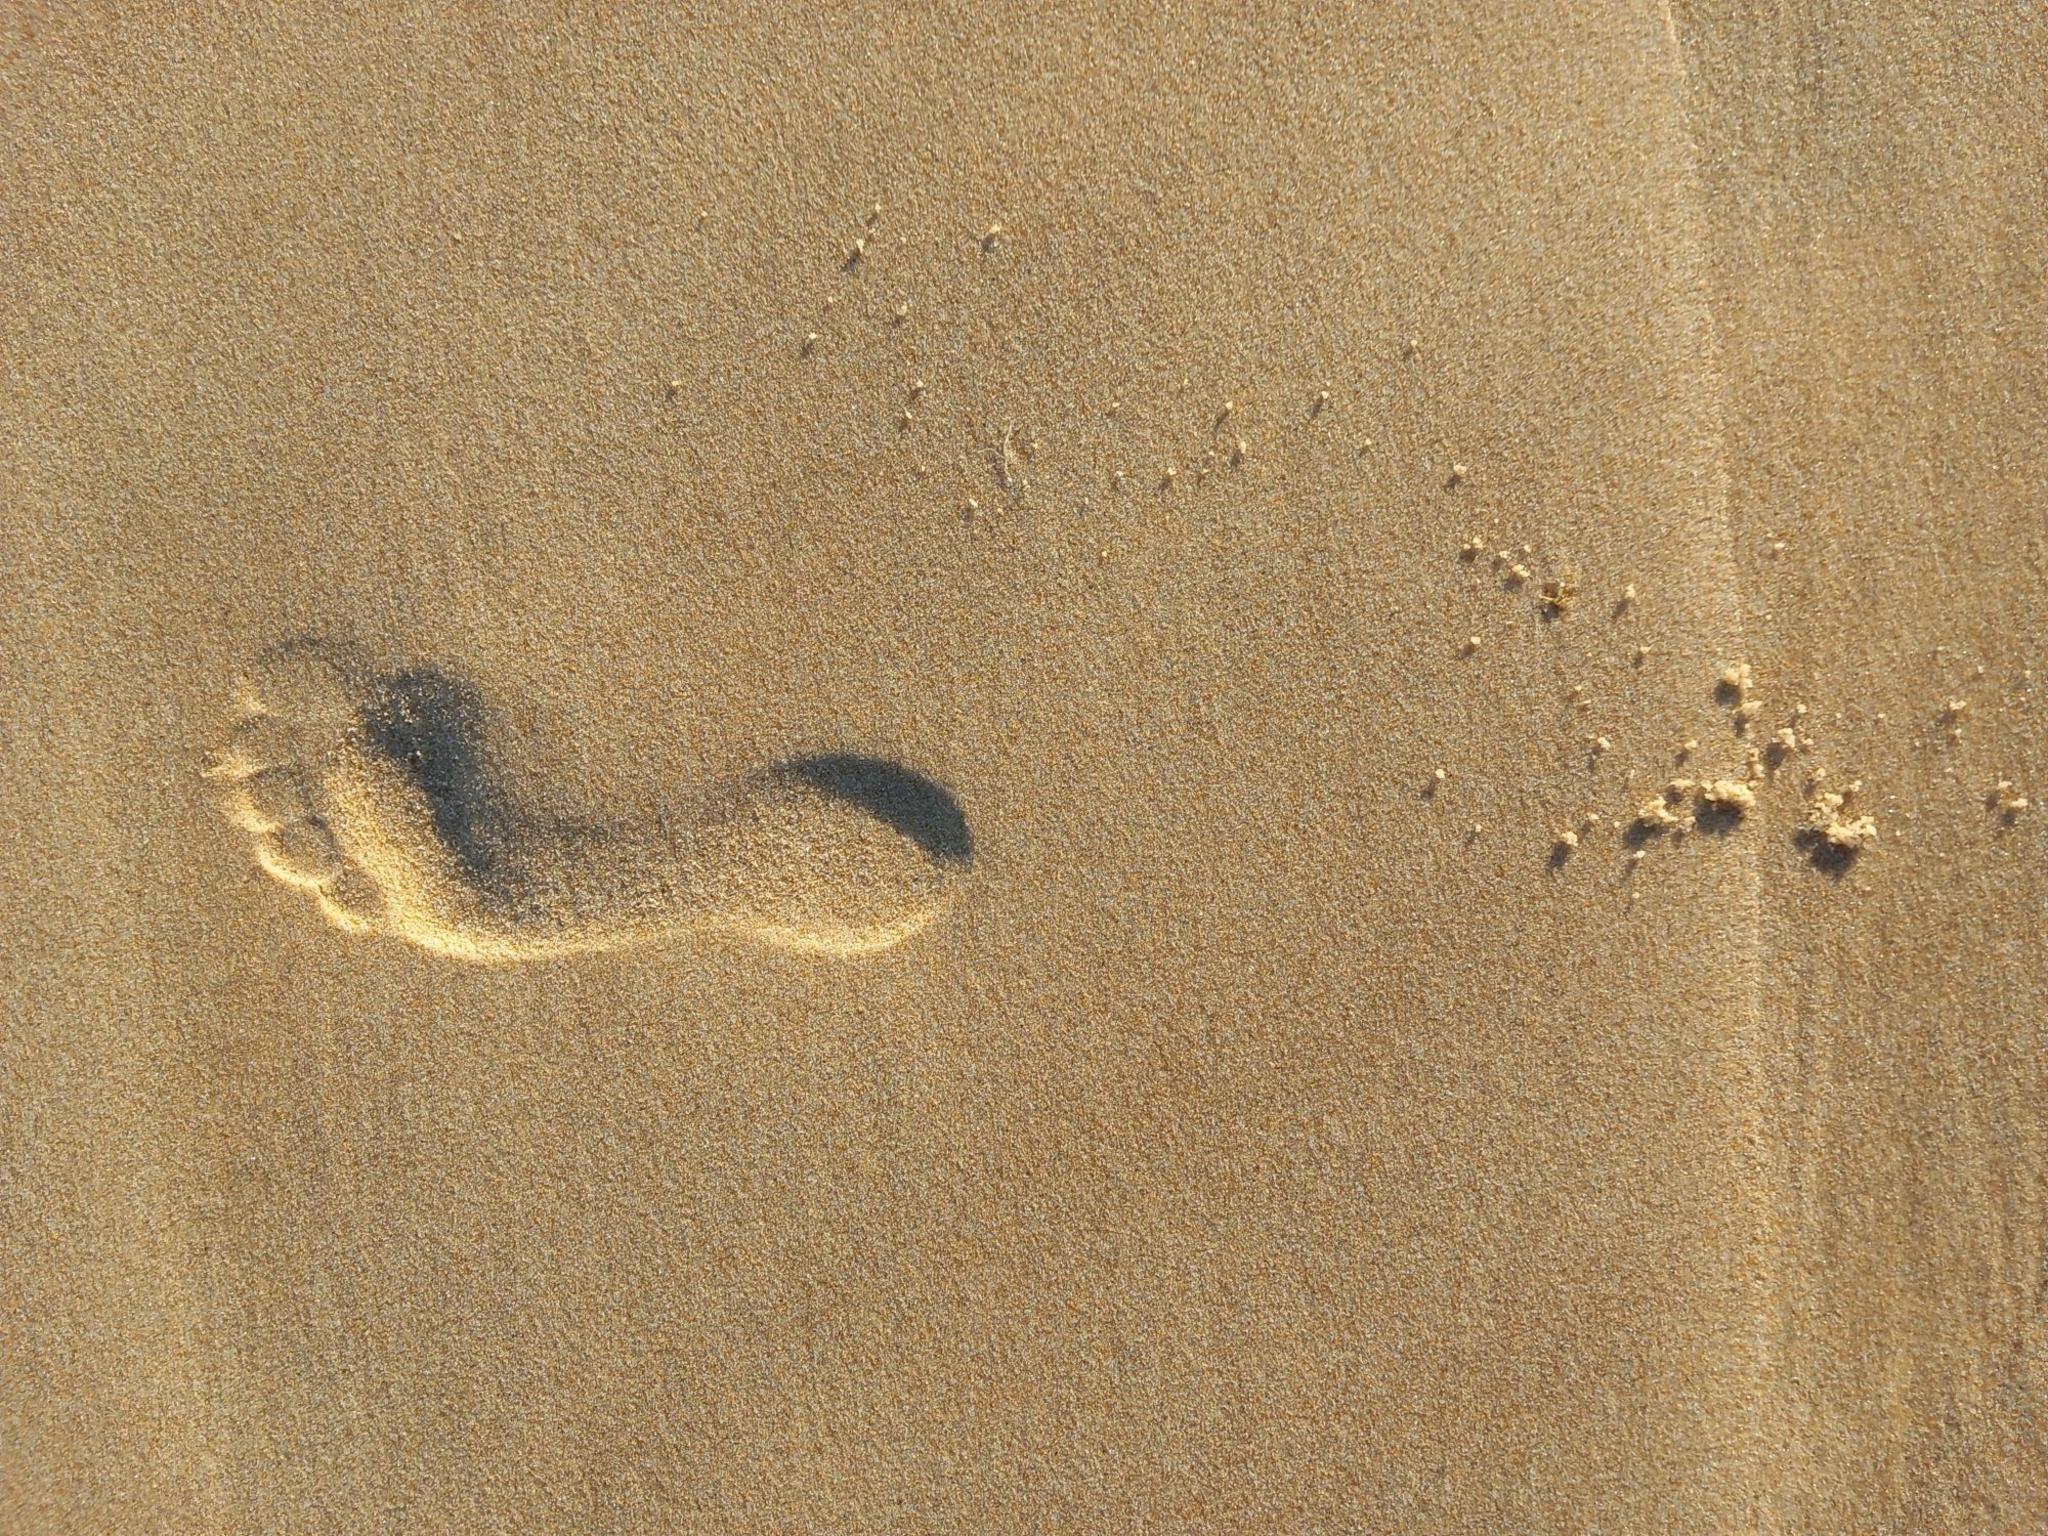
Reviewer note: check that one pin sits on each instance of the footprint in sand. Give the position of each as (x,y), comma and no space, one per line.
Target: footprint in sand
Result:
(376,795)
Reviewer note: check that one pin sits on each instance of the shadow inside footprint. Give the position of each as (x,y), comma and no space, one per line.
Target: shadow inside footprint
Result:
(432,727)
(922,810)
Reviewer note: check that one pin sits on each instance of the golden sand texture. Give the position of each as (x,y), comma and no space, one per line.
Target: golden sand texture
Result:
(1161,559)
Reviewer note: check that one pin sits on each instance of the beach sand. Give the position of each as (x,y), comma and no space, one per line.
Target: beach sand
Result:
(1034,771)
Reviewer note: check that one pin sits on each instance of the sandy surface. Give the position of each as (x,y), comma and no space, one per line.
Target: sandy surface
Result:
(1252,1131)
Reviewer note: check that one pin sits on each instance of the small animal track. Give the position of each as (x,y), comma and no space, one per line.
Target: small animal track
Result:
(375,794)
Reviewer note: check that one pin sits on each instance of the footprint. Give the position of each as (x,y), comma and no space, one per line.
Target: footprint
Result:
(376,795)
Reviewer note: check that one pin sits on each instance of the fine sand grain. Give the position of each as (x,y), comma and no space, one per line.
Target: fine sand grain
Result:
(1116,769)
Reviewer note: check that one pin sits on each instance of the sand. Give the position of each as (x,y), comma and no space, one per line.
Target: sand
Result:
(765,773)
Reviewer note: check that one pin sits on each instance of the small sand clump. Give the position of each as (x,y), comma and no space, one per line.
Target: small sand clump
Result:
(1828,822)
(1728,795)
(1656,813)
